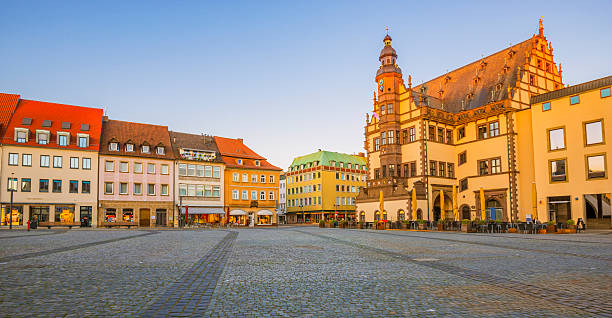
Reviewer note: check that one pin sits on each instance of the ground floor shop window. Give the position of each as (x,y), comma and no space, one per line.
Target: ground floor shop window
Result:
(559,209)
(128,215)
(85,216)
(265,219)
(237,219)
(64,214)
(110,215)
(39,213)
(16,216)
(494,210)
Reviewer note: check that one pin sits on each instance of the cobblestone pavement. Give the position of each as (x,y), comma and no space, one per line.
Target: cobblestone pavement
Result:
(303,271)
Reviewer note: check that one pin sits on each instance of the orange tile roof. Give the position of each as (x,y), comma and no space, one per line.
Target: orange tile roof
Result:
(8,103)
(233,149)
(57,114)
(138,134)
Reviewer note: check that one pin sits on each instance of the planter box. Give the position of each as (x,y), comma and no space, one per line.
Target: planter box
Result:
(421,226)
(512,230)
(551,229)
(542,231)
(360,226)
(404,226)
(322,225)
(465,227)
(440,227)
(380,226)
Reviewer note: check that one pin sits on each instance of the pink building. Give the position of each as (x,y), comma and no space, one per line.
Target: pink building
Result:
(136,184)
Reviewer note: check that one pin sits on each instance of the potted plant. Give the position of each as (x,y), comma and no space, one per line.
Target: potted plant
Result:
(322,223)
(465,225)
(440,224)
(422,224)
(550,227)
(343,224)
(360,225)
(405,225)
(380,225)
(571,226)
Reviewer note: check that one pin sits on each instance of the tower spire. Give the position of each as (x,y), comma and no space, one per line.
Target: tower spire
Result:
(541,27)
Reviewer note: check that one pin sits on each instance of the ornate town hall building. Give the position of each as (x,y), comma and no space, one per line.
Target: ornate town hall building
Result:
(470,128)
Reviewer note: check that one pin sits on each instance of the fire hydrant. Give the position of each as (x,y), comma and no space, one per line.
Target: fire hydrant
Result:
(28,225)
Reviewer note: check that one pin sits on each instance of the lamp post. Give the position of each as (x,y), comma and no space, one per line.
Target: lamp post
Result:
(12,189)
(302,208)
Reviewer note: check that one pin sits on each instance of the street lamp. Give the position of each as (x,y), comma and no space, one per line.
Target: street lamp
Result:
(12,190)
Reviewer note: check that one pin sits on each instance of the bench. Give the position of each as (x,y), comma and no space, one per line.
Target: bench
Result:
(121,223)
(49,225)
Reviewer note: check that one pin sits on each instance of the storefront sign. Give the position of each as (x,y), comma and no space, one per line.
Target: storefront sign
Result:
(197,155)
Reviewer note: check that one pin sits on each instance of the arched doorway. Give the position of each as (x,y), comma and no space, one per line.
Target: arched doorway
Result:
(448,207)
(362,216)
(401,216)
(465,212)
(384,215)
(419,214)
(494,210)
(377,216)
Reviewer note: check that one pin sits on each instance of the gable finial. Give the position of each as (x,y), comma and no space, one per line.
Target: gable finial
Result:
(387,29)
(541,28)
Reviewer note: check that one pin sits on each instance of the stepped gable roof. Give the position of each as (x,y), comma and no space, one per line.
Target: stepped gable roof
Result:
(234,149)
(476,84)
(8,103)
(53,117)
(138,134)
(325,157)
(194,142)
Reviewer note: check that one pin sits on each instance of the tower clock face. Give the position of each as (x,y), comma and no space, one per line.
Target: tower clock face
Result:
(380,85)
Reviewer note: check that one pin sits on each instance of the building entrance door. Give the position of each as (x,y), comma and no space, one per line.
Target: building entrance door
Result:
(598,211)
(145,218)
(160,217)
(251,220)
(559,209)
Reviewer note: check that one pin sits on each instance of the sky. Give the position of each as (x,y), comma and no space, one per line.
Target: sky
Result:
(289,77)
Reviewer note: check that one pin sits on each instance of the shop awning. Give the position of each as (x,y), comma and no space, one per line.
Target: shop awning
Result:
(201,210)
(237,212)
(265,212)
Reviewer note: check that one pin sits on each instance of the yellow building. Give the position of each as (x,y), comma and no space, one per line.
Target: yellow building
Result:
(463,129)
(324,184)
(571,155)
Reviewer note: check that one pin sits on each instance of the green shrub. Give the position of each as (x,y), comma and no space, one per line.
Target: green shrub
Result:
(570,222)
(550,223)
(465,221)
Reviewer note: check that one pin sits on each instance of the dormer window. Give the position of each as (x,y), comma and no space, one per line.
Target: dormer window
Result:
(257,163)
(239,161)
(83,140)
(145,149)
(26,121)
(113,146)
(129,147)
(160,150)
(42,137)
(21,135)
(63,138)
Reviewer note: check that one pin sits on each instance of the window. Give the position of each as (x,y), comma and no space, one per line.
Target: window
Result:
(73,186)
(593,133)
(483,167)
(57,161)
(123,188)
(596,166)
(12,184)
(462,157)
(129,147)
(205,170)
(253,195)
(271,179)
(43,185)
(558,170)
(123,166)
(164,169)
(432,168)
(546,106)
(57,186)
(21,135)
(262,195)
(494,129)
(390,137)
(216,172)
(164,189)
(26,185)
(574,100)
(42,138)
(389,108)
(85,187)
(202,190)
(556,139)
(13,159)
(460,133)
(442,169)
(239,161)
(216,192)
(482,131)
(145,149)
(109,166)
(74,163)
(182,189)
(413,172)
(182,169)
(376,144)
(376,173)
(383,137)
(82,140)
(463,184)
(191,190)
(191,170)
(451,170)
(441,134)
(271,195)
(496,165)
(87,163)
(245,177)
(262,179)
(234,194)
(432,133)
(404,136)
(235,177)
(254,178)
(108,188)
(160,150)
(151,168)
(604,92)
(137,167)
(412,132)
(449,136)
(245,195)
(382,109)
(151,189)
(113,146)
(406,170)
(391,171)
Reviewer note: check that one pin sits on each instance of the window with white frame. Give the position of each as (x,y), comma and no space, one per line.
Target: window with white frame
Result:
(234,194)
(129,147)
(216,172)
(113,146)
(216,191)
(165,169)
(271,179)
(83,140)
(235,177)
(13,159)
(45,161)
(123,166)
(164,189)
(26,160)
(57,161)
(207,171)
(271,195)
(74,163)
(63,138)
(86,163)
(253,195)
(151,189)
(137,167)
(262,195)
(245,177)
(262,179)
(160,150)
(145,149)
(21,135)
(254,178)
(42,137)
(245,195)
(151,168)
(109,166)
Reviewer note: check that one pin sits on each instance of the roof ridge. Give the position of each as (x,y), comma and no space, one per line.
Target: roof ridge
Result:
(132,122)
(60,104)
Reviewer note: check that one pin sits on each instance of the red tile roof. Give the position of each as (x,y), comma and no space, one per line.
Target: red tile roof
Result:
(138,134)
(57,114)
(233,149)
(8,103)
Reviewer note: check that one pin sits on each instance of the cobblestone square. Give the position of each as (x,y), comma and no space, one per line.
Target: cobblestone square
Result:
(303,271)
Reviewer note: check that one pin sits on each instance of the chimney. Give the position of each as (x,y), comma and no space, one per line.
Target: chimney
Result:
(104,118)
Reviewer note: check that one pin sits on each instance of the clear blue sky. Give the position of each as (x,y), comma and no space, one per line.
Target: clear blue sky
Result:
(289,76)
